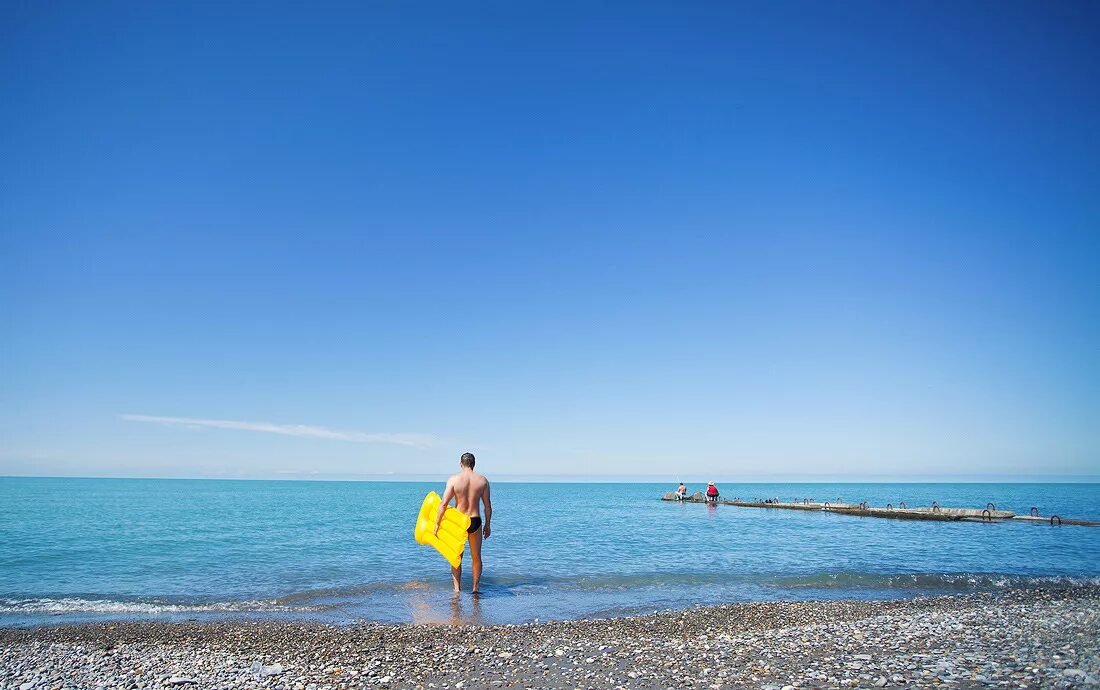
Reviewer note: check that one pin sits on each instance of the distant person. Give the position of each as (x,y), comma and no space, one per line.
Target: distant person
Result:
(681,492)
(712,492)
(468,489)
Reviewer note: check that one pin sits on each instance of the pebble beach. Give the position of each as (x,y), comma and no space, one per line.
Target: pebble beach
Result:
(1016,638)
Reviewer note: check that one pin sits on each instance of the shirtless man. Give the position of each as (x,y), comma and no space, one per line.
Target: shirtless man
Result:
(468,489)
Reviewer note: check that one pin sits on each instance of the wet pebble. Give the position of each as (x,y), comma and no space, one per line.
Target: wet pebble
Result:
(1022,638)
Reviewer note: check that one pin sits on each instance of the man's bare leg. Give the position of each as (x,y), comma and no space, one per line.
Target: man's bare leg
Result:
(456,575)
(475,557)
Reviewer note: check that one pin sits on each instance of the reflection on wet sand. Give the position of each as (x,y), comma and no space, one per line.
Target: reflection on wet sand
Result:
(458,609)
(462,608)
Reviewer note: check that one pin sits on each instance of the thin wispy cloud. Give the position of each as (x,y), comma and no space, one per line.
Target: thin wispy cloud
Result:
(411,440)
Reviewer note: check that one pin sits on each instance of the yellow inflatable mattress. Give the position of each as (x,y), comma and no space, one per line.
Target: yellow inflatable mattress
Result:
(451,541)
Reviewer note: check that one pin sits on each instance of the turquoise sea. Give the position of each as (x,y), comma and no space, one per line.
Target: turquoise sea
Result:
(88,549)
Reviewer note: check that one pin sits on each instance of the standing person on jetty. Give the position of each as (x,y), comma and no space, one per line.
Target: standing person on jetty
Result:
(468,489)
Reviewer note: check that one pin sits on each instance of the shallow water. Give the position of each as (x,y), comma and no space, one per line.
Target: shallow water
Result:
(87,549)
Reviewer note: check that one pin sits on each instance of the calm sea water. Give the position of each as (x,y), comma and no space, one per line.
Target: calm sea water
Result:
(80,549)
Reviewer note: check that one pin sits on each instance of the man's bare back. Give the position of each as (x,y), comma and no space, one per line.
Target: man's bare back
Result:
(469,490)
(468,487)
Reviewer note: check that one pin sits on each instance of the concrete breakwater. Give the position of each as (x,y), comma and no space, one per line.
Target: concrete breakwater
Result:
(901,511)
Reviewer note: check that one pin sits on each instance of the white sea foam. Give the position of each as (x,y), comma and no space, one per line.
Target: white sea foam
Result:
(68,605)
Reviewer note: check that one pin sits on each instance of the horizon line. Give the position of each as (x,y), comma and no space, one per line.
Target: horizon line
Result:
(609,478)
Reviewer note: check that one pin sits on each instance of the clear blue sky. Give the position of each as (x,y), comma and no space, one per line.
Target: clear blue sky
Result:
(580,238)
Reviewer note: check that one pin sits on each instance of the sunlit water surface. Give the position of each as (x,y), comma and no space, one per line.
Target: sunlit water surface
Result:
(88,549)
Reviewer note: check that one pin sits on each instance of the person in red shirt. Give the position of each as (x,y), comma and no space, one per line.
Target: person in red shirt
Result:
(712,492)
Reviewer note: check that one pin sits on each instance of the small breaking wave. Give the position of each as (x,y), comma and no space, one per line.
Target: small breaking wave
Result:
(77,605)
(929,582)
(548,597)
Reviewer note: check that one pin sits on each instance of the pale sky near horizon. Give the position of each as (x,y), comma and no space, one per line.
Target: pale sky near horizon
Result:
(729,239)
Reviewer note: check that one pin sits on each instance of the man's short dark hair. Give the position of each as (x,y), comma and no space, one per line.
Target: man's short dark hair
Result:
(468,460)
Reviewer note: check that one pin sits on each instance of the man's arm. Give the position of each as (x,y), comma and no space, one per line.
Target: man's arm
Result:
(448,495)
(488,510)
